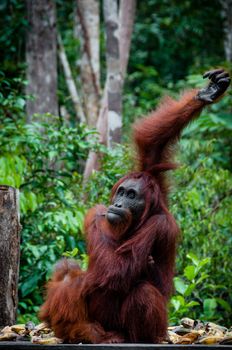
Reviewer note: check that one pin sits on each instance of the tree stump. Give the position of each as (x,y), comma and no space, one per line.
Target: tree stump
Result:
(9,254)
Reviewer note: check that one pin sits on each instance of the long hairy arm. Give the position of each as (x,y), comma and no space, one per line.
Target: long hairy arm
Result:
(155,134)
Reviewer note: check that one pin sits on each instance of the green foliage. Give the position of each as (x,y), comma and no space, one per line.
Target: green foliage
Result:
(187,290)
(171,39)
(13,25)
(143,94)
(202,206)
(192,296)
(173,36)
(45,161)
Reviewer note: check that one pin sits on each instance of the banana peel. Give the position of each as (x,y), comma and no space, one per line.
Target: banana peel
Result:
(188,338)
(210,339)
(18,328)
(7,336)
(42,327)
(173,337)
(188,332)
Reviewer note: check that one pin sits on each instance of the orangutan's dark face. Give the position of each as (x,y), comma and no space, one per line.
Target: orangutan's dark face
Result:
(128,203)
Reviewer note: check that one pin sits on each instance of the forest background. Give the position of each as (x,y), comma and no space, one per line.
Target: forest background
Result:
(54,82)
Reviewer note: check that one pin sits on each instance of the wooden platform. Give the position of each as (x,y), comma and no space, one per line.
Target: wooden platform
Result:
(29,346)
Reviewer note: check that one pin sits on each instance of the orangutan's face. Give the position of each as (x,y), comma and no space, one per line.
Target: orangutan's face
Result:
(128,203)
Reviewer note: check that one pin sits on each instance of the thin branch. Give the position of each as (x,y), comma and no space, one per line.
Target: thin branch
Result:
(92,162)
(70,81)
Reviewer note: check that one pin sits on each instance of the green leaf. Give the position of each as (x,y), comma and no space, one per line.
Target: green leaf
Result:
(31,201)
(190,272)
(192,303)
(85,261)
(224,304)
(180,286)
(181,300)
(175,303)
(20,102)
(52,154)
(23,305)
(209,306)
(35,251)
(23,203)
(193,258)
(204,262)
(202,278)
(190,289)
(71,254)
(30,284)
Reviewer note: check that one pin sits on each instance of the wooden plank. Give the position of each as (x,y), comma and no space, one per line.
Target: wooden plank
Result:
(30,346)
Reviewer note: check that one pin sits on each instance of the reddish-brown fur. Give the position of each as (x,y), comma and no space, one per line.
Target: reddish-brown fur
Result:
(124,293)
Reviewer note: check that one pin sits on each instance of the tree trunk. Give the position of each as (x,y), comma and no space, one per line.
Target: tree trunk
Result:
(227,26)
(70,82)
(88,13)
(41,57)
(126,23)
(114,76)
(9,254)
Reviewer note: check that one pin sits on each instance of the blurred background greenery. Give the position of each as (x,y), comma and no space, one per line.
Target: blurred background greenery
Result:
(173,43)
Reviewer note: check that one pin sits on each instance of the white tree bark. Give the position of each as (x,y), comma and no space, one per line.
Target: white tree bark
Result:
(227,26)
(114,76)
(88,13)
(41,57)
(70,82)
(106,120)
(126,23)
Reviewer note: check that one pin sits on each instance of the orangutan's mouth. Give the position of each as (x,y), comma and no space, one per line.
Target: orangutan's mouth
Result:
(116,211)
(115,215)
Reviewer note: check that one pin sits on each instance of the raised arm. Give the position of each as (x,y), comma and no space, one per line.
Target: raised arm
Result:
(158,131)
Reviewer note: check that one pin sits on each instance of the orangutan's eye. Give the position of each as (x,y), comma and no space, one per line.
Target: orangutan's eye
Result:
(131,194)
(121,192)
